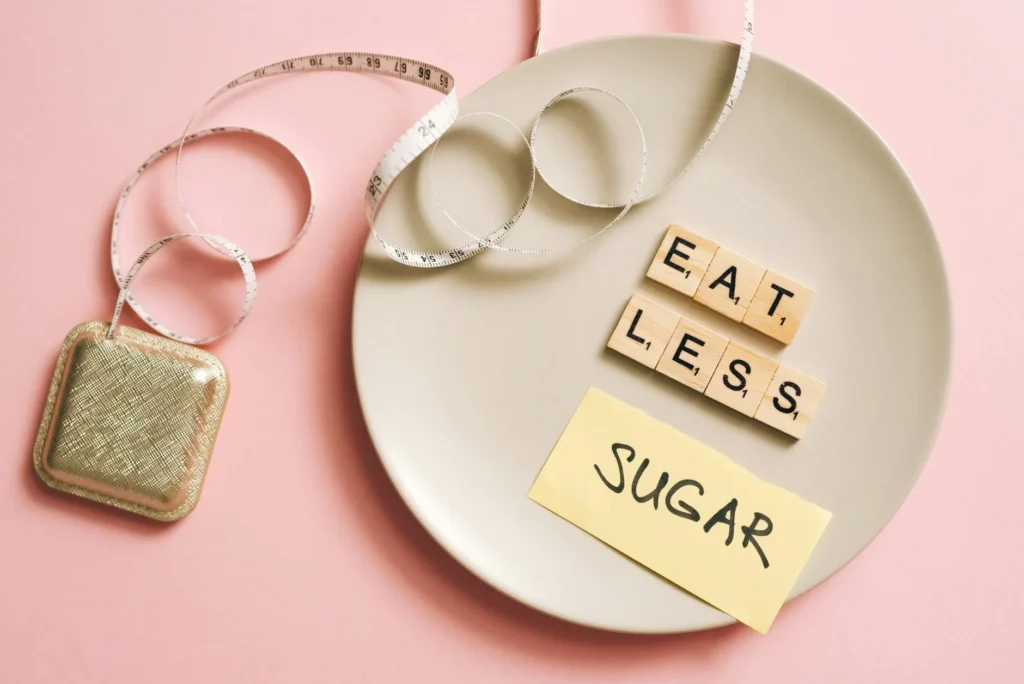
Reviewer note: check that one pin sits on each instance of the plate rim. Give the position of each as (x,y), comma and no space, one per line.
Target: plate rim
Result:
(722,619)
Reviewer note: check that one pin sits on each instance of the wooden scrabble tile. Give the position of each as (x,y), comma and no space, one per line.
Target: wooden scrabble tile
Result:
(729,284)
(741,379)
(778,307)
(682,260)
(643,331)
(790,402)
(692,355)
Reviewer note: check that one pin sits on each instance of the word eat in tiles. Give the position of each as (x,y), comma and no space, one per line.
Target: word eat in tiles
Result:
(709,363)
(731,284)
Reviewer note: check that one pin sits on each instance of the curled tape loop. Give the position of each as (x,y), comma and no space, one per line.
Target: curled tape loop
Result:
(430,259)
(410,145)
(492,239)
(486,242)
(425,132)
(223,245)
(217,243)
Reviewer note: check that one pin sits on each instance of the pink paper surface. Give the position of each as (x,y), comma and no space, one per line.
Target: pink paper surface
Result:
(305,565)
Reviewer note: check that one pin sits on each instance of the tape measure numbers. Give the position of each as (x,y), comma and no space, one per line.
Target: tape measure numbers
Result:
(427,131)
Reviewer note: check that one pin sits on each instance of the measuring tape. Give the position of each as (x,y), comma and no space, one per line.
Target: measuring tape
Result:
(419,137)
(426,132)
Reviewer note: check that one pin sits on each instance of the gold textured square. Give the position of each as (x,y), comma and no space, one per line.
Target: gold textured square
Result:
(131,422)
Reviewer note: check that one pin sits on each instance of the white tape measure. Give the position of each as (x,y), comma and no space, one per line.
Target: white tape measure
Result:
(414,142)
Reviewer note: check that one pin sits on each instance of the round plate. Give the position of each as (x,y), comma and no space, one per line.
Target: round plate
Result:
(467,375)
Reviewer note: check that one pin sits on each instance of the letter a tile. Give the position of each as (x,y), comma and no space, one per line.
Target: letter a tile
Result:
(729,284)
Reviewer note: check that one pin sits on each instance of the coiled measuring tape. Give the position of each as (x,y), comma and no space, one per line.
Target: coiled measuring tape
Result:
(420,137)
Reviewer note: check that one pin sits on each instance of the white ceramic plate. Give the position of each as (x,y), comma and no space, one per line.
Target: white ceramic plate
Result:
(468,375)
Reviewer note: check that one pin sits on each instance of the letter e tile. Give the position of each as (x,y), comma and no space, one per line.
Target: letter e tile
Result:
(692,355)
(682,259)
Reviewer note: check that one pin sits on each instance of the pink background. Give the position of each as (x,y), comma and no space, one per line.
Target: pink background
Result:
(301,563)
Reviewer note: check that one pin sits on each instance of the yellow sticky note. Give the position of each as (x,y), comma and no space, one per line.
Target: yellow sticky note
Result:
(680,508)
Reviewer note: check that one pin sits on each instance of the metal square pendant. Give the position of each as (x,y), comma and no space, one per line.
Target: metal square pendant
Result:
(131,421)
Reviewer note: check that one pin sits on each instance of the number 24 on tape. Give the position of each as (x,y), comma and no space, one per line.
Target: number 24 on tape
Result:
(680,508)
